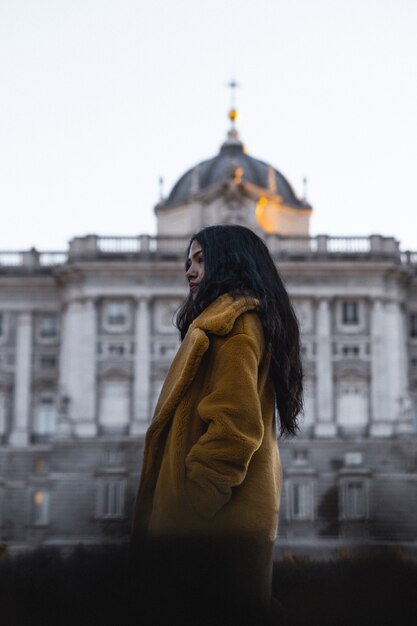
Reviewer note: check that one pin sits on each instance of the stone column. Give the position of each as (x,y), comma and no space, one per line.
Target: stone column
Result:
(379,426)
(325,423)
(22,382)
(2,414)
(88,376)
(64,428)
(399,403)
(393,362)
(141,393)
(78,370)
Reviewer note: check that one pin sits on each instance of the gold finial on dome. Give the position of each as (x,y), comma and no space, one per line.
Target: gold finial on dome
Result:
(233,115)
(232,133)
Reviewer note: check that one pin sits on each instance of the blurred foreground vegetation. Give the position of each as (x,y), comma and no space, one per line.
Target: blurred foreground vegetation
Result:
(92,586)
(351,590)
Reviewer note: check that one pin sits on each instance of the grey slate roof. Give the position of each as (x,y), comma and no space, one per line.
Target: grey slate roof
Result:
(220,168)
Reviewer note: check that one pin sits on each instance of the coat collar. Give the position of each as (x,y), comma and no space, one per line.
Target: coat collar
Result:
(220,316)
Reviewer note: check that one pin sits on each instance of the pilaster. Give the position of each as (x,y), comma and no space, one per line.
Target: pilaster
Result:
(325,425)
(78,370)
(380,426)
(397,383)
(22,384)
(396,367)
(2,414)
(141,392)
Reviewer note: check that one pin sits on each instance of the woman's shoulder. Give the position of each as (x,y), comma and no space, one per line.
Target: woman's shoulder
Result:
(246,329)
(222,316)
(249,323)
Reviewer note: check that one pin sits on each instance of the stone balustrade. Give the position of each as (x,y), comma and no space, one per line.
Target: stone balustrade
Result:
(94,247)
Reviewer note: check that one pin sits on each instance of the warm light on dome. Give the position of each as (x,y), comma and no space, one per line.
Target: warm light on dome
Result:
(233,115)
(267,216)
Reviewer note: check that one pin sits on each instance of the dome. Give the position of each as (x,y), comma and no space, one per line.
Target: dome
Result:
(232,160)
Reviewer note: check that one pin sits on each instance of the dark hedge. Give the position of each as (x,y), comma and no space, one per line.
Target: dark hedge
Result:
(94,586)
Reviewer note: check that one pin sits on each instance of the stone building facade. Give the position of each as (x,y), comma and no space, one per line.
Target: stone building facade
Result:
(87,336)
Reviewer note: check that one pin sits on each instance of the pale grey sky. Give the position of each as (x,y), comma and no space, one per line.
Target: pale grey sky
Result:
(98,98)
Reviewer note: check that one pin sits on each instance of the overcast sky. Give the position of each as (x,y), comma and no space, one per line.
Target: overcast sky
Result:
(99,98)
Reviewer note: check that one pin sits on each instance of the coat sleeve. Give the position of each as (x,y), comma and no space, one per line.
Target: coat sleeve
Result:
(220,458)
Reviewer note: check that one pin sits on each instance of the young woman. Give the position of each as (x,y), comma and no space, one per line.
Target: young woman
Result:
(206,511)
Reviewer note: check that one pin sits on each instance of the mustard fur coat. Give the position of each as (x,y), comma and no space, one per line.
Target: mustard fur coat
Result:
(211,465)
(206,511)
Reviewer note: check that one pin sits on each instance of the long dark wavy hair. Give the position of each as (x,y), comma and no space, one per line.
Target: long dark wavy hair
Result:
(236,261)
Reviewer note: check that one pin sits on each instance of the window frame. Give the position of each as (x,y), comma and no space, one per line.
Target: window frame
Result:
(351,351)
(49,337)
(165,310)
(412,325)
(347,318)
(116,350)
(112,427)
(44,519)
(103,504)
(110,327)
(308,497)
(4,326)
(346,328)
(46,368)
(37,418)
(348,514)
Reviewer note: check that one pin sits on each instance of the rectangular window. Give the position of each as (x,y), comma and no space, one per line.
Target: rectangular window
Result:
(353,458)
(301,500)
(355,499)
(111,498)
(48,325)
(48,362)
(116,349)
(350,312)
(113,457)
(413,325)
(165,312)
(350,351)
(40,507)
(1,324)
(114,406)
(117,313)
(300,457)
(45,417)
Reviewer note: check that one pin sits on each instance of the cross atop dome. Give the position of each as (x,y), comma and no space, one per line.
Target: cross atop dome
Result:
(233,135)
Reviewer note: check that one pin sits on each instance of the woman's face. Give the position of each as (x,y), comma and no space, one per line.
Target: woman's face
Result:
(195,267)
